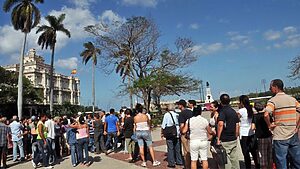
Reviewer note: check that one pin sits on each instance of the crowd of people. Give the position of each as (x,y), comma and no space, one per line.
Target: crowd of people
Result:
(268,135)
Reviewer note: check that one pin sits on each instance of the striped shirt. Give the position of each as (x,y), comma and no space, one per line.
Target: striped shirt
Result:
(283,108)
(4,131)
(91,128)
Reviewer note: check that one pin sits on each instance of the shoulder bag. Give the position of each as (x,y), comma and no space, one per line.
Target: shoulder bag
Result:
(170,132)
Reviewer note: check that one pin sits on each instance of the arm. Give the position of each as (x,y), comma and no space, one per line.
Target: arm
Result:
(220,129)
(87,130)
(184,128)
(105,126)
(209,130)
(134,125)
(41,133)
(237,129)
(118,129)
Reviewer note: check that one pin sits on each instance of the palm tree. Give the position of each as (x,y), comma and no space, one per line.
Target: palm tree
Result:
(90,52)
(25,16)
(48,38)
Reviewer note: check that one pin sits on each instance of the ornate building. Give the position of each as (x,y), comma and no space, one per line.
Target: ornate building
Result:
(66,88)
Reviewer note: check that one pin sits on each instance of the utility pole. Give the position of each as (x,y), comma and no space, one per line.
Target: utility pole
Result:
(263,81)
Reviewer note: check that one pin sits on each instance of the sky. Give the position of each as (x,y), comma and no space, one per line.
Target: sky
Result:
(239,42)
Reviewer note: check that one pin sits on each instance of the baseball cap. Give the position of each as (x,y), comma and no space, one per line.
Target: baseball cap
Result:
(181,102)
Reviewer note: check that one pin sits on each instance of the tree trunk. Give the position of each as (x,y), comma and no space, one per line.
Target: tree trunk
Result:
(20,80)
(93,87)
(130,93)
(51,81)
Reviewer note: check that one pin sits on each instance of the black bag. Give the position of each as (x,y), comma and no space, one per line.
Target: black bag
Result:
(219,155)
(170,132)
(188,132)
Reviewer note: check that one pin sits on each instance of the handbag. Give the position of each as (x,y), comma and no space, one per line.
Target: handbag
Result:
(188,132)
(170,131)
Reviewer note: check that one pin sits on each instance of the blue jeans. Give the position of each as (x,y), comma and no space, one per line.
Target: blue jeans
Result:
(73,148)
(174,151)
(92,143)
(290,146)
(40,153)
(83,147)
(17,144)
(144,135)
(111,135)
(51,150)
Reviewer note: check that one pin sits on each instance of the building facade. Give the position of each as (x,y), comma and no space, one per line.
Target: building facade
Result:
(66,88)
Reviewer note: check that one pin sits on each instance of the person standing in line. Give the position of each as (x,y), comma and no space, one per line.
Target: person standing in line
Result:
(143,133)
(90,121)
(73,143)
(42,144)
(33,126)
(111,129)
(17,138)
(128,132)
(4,136)
(49,124)
(173,144)
(184,115)
(82,137)
(264,137)
(191,104)
(58,136)
(98,134)
(228,132)
(199,129)
(286,125)
(248,140)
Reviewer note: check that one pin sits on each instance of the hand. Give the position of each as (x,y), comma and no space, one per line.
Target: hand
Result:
(218,142)
(45,142)
(118,133)
(272,126)
(162,136)
(105,133)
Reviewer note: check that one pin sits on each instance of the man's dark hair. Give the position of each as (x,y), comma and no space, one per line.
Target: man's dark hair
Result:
(278,83)
(197,111)
(97,116)
(111,111)
(225,99)
(258,106)
(43,115)
(139,108)
(193,102)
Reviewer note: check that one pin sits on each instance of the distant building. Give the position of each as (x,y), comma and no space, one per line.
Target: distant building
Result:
(66,88)
(208,97)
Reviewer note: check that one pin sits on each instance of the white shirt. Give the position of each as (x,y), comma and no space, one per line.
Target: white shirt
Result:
(198,130)
(50,128)
(167,121)
(245,125)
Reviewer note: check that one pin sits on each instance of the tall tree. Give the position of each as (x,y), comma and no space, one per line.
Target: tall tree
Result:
(295,68)
(48,38)
(91,52)
(25,16)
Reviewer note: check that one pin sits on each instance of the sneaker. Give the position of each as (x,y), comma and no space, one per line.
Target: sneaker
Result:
(156,163)
(33,164)
(144,164)
(49,167)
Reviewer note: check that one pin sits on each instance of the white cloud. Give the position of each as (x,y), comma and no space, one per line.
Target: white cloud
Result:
(233,45)
(292,41)
(194,26)
(225,21)
(271,35)
(206,49)
(109,16)
(240,38)
(289,30)
(144,3)
(68,63)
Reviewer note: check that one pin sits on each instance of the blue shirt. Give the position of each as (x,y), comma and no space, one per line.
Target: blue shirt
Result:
(16,130)
(167,121)
(111,121)
(71,136)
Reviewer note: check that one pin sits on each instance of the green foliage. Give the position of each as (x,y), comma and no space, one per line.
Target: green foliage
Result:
(25,15)
(90,52)
(9,90)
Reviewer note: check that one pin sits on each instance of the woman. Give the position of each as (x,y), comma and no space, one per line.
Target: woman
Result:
(128,132)
(98,126)
(143,133)
(82,137)
(58,136)
(248,139)
(198,128)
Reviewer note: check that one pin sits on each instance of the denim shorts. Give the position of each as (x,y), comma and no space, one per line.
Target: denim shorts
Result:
(144,135)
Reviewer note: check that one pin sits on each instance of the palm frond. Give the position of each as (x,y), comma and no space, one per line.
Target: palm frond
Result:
(37,16)
(65,31)
(61,18)
(8,4)
(43,28)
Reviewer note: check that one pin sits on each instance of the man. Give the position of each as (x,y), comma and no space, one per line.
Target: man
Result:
(228,130)
(4,136)
(173,144)
(191,104)
(90,121)
(17,138)
(41,144)
(98,126)
(111,129)
(184,115)
(49,124)
(286,125)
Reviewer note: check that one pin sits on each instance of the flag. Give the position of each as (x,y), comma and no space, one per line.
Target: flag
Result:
(74,71)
